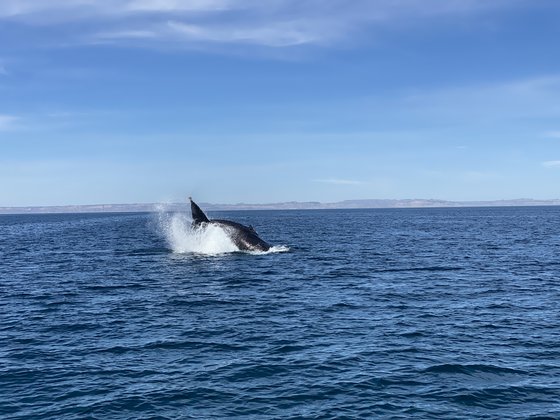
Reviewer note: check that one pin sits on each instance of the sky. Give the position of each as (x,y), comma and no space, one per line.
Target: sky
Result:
(139,101)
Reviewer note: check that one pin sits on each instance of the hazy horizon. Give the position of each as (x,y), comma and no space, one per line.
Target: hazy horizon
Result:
(262,102)
(303,205)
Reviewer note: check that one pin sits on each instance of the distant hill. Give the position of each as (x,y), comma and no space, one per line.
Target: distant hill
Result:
(290,205)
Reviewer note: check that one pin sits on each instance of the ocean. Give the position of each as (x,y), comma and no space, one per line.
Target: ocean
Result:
(383,313)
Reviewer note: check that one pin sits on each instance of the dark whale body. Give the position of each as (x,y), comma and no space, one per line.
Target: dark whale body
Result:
(244,237)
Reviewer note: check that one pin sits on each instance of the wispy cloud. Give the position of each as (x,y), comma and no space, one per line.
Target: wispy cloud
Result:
(478,176)
(7,122)
(277,34)
(127,34)
(524,98)
(271,23)
(62,9)
(175,5)
(500,109)
(338,181)
(552,134)
(551,164)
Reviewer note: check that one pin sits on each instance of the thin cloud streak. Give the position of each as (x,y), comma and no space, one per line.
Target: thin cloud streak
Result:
(274,23)
(526,98)
(127,34)
(551,164)
(552,134)
(281,34)
(338,181)
(176,5)
(64,9)
(7,122)
(490,106)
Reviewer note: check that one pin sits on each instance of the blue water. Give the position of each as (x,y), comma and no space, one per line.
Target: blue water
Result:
(413,313)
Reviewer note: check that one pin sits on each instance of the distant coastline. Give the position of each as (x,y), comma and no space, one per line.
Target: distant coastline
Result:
(291,205)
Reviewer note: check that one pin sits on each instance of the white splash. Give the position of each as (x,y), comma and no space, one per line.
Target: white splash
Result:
(273,250)
(182,237)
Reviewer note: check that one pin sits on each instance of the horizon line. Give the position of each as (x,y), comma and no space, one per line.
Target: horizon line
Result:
(283,205)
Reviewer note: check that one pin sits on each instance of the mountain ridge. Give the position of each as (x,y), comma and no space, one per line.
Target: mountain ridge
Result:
(287,205)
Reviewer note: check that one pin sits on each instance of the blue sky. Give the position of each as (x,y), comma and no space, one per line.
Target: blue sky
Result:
(262,101)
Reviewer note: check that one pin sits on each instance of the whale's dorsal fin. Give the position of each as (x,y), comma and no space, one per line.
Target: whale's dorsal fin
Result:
(198,215)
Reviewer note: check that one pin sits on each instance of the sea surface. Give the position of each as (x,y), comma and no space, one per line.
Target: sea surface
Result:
(385,313)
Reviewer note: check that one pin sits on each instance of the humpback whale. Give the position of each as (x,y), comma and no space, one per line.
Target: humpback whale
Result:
(244,237)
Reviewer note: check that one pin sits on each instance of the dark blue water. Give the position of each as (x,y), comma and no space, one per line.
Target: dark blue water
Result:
(428,313)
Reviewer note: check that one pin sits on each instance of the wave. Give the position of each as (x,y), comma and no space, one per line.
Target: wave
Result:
(471,369)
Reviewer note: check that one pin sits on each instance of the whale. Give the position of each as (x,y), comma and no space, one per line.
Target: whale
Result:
(244,237)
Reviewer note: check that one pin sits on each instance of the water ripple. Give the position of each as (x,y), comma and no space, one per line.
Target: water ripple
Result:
(433,313)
